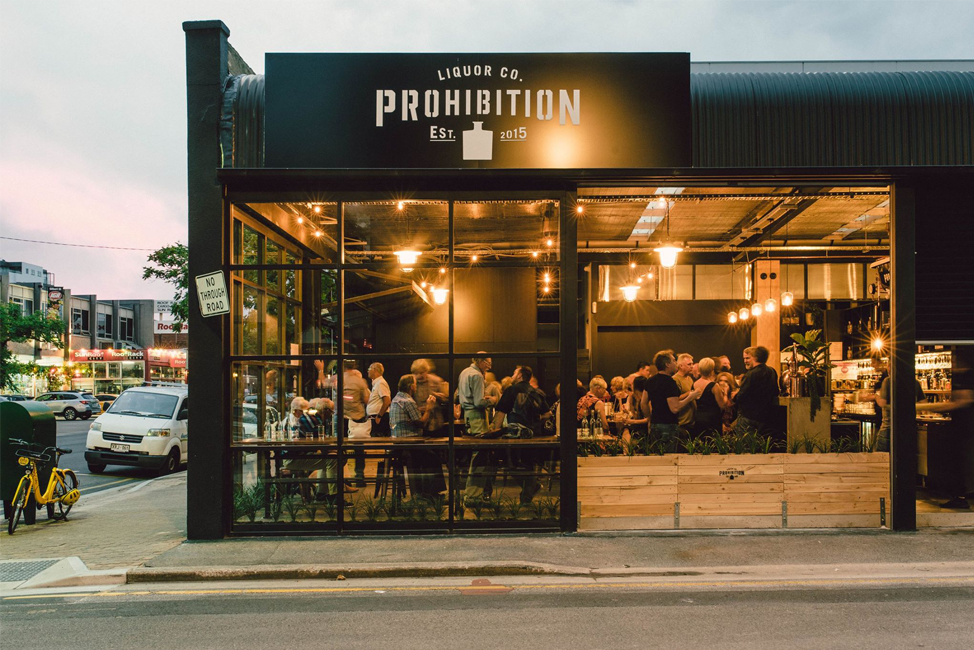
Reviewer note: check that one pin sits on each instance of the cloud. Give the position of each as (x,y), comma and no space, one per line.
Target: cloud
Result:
(77,201)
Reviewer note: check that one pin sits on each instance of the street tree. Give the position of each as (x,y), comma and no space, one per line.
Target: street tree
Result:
(171,264)
(16,327)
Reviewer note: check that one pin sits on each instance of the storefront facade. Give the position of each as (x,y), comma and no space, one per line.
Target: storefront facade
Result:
(106,371)
(407,235)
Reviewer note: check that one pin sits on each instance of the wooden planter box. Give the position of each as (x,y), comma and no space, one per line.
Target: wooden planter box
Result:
(733,491)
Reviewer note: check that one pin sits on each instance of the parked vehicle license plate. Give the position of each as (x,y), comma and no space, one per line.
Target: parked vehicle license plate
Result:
(117,447)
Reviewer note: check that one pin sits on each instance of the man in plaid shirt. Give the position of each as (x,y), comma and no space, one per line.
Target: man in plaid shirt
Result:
(405,420)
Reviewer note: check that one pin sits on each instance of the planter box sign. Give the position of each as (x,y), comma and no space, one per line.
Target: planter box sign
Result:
(496,111)
(211,289)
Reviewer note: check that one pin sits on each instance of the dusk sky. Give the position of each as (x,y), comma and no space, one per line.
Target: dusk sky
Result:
(92,99)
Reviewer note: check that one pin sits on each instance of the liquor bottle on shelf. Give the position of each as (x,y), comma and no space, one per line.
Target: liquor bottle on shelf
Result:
(586,431)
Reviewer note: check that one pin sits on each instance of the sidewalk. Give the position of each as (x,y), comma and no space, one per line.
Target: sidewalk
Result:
(114,529)
(139,532)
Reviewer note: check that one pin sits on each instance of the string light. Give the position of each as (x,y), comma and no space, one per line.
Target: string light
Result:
(579,209)
(400,206)
(877,344)
(318,233)
(300,220)
(317,209)
(632,265)
(549,242)
(534,254)
(474,258)
(442,270)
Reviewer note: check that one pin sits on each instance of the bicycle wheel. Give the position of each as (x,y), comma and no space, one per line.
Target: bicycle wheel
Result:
(56,509)
(19,503)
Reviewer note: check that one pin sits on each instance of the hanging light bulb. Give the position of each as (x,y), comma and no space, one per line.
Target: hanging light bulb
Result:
(744,313)
(400,205)
(407,258)
(534,254)
(547,289)
(579,209)
(439,296)
(639,280)
(667,255)
(877,344)
(629,292)
(650,275)
(756,309)
(732,317)
(300,219)
(547,278)
(317,209)
(632,265)
(787,299)
(423,284)
(770,305)
(549,242)
(474,257)
(318,233)
(442,270)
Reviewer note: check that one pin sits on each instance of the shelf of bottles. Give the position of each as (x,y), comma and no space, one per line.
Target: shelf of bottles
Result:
(933,372)
(854,394)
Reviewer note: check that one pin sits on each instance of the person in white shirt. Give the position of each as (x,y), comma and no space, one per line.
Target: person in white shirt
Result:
(379,401)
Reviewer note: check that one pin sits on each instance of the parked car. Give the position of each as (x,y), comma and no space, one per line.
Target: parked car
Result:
(146,426)
(14,398)
(105,399)
(70,404)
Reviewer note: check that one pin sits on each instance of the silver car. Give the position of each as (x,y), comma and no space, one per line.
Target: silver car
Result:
(70,404)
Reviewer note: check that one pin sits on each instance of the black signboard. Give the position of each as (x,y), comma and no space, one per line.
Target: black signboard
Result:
(498,111)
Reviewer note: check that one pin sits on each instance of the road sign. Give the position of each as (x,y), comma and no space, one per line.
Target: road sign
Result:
(163,306)
(211,289)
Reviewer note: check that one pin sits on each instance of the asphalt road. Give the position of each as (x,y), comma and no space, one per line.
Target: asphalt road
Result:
(537,614)
(73,436)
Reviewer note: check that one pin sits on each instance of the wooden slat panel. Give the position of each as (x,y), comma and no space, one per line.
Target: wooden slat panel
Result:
(742,499)
(836,468)
(732,460)
(722,480)
(603,510)
(729,509)
(649,490)
(627,461)
(730,487)
(749,469)
(630,499)
(650,470)
(878,458)
(624,481)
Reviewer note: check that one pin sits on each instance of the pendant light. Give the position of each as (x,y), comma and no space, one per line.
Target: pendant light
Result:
(668,251)
(407,258)
(756,309)
(732,317)
(629,292)
(744,313)
(787,299)
(439,296)
(770,305)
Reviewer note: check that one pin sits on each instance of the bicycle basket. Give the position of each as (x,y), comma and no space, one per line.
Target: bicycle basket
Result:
(33,454)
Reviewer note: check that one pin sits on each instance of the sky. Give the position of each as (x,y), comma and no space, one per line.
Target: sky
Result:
(93,94)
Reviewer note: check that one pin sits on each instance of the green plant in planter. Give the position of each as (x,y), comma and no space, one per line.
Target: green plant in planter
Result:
(372,509)
(514,507)
(439,506)
(422,507)
(460,507)
(292,507)
(312,509)
(331,510)
(551,507)
(692,445)
(804,445)
(352,509)
(496,507)
(476,506)
(630,447)
(538,508)
(406,508)
(250,500)
(239,503)
(812,355)
(719,444)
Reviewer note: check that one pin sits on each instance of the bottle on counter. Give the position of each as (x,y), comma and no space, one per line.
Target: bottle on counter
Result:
(586,431)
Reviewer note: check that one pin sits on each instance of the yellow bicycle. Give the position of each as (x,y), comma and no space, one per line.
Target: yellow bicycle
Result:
(62,488)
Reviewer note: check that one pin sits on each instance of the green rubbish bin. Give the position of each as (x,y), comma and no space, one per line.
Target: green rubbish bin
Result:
(34,423)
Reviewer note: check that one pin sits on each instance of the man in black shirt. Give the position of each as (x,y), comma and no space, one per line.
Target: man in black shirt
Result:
(525,408)
(665,398)
(757,398)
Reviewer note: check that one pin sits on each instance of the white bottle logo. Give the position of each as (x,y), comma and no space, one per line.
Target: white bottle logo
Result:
(477,143)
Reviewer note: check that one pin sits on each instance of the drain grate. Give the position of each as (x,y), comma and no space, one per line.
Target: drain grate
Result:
(13,571)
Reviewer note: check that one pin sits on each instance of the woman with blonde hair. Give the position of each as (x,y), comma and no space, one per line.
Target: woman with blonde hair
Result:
(592,400)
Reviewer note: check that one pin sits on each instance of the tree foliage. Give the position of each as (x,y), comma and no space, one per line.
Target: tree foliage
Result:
(15,327)
(171,264)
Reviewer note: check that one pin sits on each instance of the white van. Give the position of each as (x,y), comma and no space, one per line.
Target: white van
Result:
(145,426)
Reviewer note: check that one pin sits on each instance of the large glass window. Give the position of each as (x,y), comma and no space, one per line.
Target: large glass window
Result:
(372,432)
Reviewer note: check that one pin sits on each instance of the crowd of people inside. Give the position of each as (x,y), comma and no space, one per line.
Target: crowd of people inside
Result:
(673,396)
(676,396)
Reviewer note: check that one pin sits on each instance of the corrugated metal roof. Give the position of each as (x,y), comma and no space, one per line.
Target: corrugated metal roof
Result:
(826,119)
(866,119)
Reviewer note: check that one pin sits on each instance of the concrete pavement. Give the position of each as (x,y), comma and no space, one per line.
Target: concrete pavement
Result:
(139,531)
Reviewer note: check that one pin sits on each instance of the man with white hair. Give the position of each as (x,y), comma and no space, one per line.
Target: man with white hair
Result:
(380,399)
(300,425)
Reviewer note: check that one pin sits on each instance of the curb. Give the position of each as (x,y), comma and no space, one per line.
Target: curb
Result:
(422,570)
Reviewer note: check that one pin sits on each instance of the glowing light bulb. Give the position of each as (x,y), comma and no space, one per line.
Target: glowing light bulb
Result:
(667,255)
(639,280)
(787,299)
(534,254)
(474,258)
(756,309)
(629,292)
(300,219)
(423,284)
(549,242)
(732,317)
(318,233)
(770,305)
(400,205)
(407,258)
(318,209)
(442,270)
(632,265)
(579,209)
(439,296)
(744,313)
(649,275)
(877,344)
(547,289)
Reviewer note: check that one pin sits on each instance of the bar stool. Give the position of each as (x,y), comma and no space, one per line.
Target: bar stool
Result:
(392,470)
